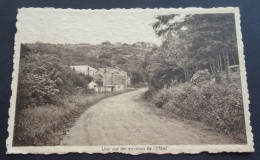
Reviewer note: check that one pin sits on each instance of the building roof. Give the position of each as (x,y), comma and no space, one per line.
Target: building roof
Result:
(110,69)
(83,68)
(92,82)
(98,77)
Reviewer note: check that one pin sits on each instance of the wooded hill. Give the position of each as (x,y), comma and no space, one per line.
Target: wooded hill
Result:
(128,57)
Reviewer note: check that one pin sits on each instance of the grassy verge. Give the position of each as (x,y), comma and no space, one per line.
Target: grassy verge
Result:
(218,105)
(164,113)
(47,124)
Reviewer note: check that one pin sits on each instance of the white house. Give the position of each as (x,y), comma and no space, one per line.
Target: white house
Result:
(93,85)
(84,69)
(105,79)
(113,78)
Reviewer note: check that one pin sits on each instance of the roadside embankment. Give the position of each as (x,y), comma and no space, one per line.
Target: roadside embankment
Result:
(47,124)
(218,105)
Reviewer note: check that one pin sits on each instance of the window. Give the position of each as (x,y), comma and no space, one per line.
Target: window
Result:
(118,87)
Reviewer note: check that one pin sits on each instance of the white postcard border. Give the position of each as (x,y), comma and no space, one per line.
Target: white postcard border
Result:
(173,149)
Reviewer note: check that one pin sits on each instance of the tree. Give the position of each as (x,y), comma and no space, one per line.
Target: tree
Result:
(106,43)
(136,78)
(209,40)
(121,61)
(165,65)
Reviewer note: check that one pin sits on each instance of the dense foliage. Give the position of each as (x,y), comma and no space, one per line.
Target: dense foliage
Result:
(197,42)
(218,105)
(128,57)
(43,77)
(189,74)
(45,74)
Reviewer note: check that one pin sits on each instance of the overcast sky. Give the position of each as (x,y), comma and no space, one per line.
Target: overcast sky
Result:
(50,25)
(94,27)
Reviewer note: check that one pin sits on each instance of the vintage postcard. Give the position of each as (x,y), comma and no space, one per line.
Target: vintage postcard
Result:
(129,81)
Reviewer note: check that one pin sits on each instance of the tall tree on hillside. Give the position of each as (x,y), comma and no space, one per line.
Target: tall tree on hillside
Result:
(165,64)
(210,38)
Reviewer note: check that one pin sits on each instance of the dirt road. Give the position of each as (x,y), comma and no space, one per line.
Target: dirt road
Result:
(122,120)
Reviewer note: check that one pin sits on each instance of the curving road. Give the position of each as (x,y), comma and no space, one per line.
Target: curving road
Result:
(121,120)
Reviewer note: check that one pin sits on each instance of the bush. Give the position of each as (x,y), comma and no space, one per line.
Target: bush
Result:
(88,91)
(43,77)
(217,105)
(200,77)
(105,55)
(121,61)
(148,95)
(136,78)
(35,85)
(161,98)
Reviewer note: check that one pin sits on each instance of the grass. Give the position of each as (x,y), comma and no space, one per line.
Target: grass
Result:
(47,124)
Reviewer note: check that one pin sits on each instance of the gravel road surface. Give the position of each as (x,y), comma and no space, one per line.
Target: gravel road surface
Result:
(123,120)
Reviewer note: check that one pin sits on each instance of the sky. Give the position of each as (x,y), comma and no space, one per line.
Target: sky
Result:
(76,26)
(49,25)
(86,26)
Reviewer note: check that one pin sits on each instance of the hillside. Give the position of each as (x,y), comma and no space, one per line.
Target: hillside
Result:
(127,57)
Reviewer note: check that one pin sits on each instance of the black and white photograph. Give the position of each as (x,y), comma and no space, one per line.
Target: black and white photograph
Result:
(130,81)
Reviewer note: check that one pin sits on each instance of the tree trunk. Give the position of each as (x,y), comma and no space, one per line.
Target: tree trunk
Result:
(217,70)
(226,58)
(211,68)
(214,68)
(216,64)
(185,74)
(234,61)
(220,62)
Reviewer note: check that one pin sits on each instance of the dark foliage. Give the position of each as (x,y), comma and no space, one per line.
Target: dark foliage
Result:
(197,42)
(43,77)
(189,74)
(204,100)
(137,78)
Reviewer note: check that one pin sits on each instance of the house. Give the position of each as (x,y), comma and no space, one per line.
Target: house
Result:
(143,44)
(97,83)
(105,79)
(112,78)
(84,69)
(93,85)
(128,81)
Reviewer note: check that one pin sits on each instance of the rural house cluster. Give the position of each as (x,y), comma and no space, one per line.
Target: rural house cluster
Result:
(105,79)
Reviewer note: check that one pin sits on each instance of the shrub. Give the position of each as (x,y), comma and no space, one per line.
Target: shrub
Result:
(161,98)
(43,77)
(35,85)
(148,95)
(105,55)
(88,91)
(217,105)
(121,61)
(200,77)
